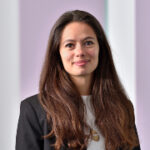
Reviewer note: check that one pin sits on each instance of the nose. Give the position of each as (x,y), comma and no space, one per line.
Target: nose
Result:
(80,51)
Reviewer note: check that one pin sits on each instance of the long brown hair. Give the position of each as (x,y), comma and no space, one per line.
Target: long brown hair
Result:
(64,106)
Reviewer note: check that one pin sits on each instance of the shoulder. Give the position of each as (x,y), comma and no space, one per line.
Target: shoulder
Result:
(33,100)
(32,115)
(32,125)
(31,106)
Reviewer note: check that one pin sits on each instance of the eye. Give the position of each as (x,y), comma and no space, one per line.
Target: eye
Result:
(88,43)
(69,45)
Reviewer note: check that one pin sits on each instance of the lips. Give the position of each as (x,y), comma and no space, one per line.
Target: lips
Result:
(81,62)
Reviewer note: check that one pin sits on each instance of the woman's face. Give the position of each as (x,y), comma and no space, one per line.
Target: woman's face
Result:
(79,49)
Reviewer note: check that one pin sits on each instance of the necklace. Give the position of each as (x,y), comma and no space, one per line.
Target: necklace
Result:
(95,135)
(90,118)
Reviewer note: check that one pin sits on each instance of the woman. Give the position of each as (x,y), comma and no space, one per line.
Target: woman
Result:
(81,103)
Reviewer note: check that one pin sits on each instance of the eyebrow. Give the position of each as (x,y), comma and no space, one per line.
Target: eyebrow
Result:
(86,38)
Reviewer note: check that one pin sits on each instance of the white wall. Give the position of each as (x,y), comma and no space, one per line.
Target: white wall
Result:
(121,35)
(9,72)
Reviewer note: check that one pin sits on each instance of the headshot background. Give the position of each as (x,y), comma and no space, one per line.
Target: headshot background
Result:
(24,30)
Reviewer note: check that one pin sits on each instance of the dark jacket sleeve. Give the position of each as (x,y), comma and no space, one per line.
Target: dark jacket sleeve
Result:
(29,132)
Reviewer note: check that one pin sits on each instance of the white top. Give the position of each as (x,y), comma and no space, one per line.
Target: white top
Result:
(90,118)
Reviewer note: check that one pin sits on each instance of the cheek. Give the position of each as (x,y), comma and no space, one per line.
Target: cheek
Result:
(66,56)
(94,53)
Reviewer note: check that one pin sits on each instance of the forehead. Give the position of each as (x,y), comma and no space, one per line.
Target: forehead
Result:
(77,30)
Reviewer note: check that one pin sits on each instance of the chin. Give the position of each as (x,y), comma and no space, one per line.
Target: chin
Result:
(83,73)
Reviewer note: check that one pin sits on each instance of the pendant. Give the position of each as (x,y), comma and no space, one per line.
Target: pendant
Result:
(95,135)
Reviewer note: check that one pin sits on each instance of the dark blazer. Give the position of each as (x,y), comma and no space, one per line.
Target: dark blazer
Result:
(32,125)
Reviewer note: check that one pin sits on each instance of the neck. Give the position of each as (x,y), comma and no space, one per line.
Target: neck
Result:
(83,84)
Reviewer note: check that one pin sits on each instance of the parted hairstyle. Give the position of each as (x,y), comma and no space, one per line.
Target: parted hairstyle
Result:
(64,106)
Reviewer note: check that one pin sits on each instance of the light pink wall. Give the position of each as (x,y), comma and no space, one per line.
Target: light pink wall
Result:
(36,20)
(143,71)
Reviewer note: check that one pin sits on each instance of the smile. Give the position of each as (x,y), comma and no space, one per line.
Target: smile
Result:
(81,62)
